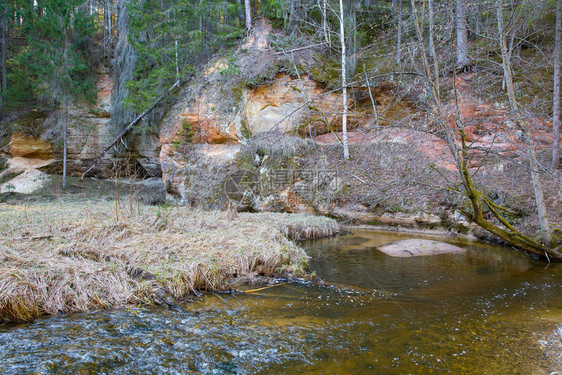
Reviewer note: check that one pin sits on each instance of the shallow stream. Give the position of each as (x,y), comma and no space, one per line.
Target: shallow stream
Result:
(485,311)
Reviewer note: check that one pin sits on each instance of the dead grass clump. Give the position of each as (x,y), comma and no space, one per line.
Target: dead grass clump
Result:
(63,258)
(298,227)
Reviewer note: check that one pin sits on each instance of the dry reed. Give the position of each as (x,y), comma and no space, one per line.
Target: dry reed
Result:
(58,258)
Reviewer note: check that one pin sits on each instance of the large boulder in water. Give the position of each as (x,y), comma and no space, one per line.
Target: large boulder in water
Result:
(418,247)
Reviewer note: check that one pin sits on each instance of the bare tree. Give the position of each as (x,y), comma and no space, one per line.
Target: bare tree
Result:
(399,32)
(432,81)
(556,96)
(3,55)
(533,164)
(462,35)
(343,81)
(506,57)
(455,136)
(325,27)
(432,49)
(248,8)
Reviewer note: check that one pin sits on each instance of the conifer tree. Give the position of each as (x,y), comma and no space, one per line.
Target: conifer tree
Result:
(58,35)
(171,37)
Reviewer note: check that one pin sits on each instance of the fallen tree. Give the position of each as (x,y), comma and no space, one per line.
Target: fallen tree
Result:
(129,128)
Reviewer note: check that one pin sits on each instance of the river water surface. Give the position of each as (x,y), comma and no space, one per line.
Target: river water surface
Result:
(488,310)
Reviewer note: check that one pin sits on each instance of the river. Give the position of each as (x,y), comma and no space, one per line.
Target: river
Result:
(488,310)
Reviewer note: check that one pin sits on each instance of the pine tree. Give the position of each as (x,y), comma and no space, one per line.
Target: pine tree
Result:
(58,35)
(171,37)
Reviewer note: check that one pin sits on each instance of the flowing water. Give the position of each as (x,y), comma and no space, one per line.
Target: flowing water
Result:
(485,311)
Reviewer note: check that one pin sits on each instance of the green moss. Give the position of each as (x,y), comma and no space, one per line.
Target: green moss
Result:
(245,130)
(237,91)
(327,71)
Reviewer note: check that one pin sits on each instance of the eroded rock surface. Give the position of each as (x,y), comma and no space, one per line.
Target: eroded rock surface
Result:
(28,146)
(26,183)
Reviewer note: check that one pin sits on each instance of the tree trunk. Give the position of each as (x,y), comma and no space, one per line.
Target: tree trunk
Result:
(399,31)
(293,9)
(350,23)
(248,8)
(64,137)
(431,82)
(462,35)
(431,29)
(506,61)
(539,199)
(477,199)
(508,78)
(432,52)
(325,22)
(343,82)
(3,57)
(556,96)
(177,59)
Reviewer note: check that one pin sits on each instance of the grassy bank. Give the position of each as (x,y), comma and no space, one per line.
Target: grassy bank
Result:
(64,257)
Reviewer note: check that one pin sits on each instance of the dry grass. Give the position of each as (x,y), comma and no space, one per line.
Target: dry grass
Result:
(59,258)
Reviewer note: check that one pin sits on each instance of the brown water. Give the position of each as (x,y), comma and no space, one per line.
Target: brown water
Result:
(485,311)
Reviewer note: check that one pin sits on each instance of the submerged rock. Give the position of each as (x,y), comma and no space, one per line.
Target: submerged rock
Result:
(418,247)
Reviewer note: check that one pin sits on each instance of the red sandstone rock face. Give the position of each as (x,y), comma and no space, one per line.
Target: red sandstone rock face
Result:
(89,132)
(434,147)
(302,106)
(28,146)
(289,102)
(488,128)
(487,125)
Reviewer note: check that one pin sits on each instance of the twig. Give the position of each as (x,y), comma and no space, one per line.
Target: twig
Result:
(266,287)
(363,181)
(23,136)
(301,48)
(33,238)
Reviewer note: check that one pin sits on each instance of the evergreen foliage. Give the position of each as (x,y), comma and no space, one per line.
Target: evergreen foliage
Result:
(59,35)
(170,38)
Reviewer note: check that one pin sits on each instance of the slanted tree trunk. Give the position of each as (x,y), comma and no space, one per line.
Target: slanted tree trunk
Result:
(248,8)
(343,81)
(533,165)
(556,96)
(462,35)
(539,198)
(478,200)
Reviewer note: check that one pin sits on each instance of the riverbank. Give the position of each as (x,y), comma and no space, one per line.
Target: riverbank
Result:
(80,256)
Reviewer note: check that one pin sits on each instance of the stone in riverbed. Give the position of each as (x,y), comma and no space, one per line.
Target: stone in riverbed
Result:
(418,247)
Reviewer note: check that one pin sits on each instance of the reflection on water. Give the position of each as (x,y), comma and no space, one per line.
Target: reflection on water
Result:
(479,312)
